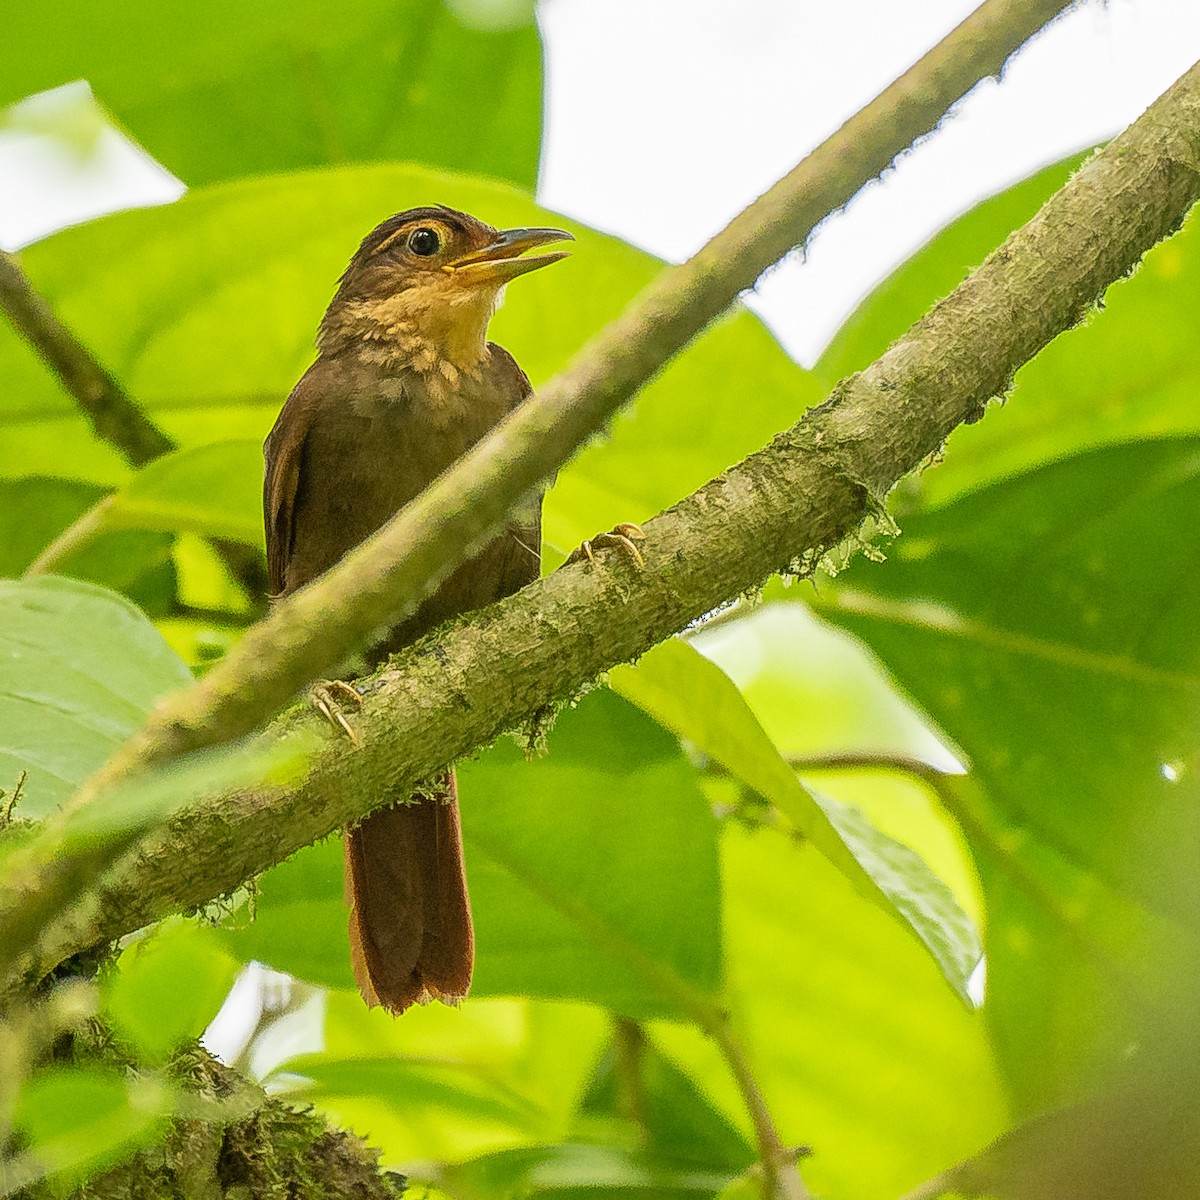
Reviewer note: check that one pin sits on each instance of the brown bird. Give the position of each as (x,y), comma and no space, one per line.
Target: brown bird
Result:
(405,382)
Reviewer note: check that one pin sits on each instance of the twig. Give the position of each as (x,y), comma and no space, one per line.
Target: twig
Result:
(394,570)
(13,801)
(629,1046)
(930,1189)
(114,416)
(82,530)
(785,503)
(781,1178)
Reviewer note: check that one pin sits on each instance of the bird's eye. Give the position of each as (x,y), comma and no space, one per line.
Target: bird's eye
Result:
(424,242)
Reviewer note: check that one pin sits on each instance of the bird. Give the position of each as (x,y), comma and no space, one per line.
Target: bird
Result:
(405,382)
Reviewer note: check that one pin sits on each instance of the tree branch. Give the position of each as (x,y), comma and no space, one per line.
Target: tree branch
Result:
(779,509)
(113,414)
(310,633)
(780,1174)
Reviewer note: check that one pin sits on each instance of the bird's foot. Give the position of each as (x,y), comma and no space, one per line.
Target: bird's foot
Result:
(625,536)
(326,697)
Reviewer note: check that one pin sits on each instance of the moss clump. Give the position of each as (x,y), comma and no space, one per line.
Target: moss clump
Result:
(267,1150)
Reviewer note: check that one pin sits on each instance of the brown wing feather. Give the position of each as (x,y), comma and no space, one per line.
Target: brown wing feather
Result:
(283,453)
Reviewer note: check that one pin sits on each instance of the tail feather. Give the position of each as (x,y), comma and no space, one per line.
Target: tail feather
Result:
(411,939)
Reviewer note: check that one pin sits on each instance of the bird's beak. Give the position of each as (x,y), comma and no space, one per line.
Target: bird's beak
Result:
(500,260)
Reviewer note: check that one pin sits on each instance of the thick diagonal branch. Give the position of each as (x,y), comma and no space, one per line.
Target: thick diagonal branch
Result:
(390,575)
(779,509)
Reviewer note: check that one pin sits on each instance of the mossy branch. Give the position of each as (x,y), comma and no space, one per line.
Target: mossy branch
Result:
(313,631)
(779,509)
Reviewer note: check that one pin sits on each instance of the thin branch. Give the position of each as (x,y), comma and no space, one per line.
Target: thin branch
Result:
(781,1177)
(114,415)
(786,504)
(313,631)
(87,526)
(6,813)
(629,1070)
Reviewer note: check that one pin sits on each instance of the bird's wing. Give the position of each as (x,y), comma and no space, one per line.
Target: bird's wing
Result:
(283,452)
(523,552)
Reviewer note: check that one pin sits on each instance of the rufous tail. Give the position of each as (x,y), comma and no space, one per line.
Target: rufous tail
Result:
(411,938)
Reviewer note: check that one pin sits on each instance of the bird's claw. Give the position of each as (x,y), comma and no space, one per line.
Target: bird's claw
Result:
(325,698)
(625,536)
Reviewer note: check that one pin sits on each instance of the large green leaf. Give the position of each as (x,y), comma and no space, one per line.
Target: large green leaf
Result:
(79,669)
(214,489)
(593,874)
(1130,372)
(594,869)
(1047,625)
(579,1171)
(536,1056)
(231,283)
(691,695)
(35,510)
(231,89)
(299,919)
(419,1088)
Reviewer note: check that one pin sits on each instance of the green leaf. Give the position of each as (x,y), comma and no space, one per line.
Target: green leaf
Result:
(1134,1141)
(594,870)
(35,510)
(299,919)
(653,1102)
(244,89)
(924,904)
(593,874)
(214,489)
(578,1170)
(80,667)
(1046,624)
(78,1120)
(233,280)
(167,988)
(535,1057)
(415,1087)
(691,695)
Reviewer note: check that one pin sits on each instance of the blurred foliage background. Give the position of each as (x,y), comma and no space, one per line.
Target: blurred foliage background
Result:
(783,840)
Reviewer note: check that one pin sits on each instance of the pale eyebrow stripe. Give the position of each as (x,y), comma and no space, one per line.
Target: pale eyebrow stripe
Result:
(387,241)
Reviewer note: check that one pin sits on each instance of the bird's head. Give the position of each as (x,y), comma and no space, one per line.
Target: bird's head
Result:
(424,284)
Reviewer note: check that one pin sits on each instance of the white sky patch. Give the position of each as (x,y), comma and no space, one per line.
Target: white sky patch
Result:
(63,162)
(664,119)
